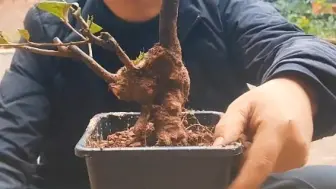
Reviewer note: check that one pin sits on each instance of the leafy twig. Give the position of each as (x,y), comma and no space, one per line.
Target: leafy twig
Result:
(71,50)
(105,40)
(79,34)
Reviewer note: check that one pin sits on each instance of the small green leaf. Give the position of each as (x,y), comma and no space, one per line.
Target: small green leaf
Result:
(25,34)
(141,57)
(94,28)
(56,8)
(3,39)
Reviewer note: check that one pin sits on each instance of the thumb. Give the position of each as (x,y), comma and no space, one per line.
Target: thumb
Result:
(232,124)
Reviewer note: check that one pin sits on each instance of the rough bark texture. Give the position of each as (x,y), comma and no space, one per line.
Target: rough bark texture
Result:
(160,83)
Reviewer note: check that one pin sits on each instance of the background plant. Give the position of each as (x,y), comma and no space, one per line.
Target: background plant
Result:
(301,13)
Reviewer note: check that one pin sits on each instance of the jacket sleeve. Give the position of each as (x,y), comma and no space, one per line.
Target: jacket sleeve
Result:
(264,45)
(24,110)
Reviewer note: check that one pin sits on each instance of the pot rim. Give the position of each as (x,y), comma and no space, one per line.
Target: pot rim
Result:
(82,151)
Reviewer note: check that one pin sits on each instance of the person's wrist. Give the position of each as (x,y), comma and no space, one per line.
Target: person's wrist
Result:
(299,81)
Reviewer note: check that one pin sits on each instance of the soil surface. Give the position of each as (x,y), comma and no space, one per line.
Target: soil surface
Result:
(12,13)
(197,135)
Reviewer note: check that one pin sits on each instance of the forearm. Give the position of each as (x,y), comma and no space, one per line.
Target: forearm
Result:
(17,165)
(11,174)
(312,61)
(265,45)
(24,113)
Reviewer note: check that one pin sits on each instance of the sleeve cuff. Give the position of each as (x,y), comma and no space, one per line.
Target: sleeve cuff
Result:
(324,120)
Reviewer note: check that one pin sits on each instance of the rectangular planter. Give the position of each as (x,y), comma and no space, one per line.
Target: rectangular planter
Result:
(155,167)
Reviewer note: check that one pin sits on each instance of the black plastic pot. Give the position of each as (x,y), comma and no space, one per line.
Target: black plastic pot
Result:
(155,167)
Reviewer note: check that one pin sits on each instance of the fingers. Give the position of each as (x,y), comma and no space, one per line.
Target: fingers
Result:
(259,160)
(231,124)
(262,155)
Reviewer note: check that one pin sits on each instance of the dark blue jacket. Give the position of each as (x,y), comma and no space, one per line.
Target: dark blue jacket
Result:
(46,102)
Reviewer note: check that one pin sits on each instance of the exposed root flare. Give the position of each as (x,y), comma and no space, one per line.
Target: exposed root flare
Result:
(160,83)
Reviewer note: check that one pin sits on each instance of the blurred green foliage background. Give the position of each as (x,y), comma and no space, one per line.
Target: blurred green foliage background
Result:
(301,13)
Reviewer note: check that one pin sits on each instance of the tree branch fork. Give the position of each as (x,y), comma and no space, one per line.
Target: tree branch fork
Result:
(72,50)
(105,40)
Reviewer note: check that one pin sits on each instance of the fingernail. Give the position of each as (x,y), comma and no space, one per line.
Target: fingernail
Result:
(219,141)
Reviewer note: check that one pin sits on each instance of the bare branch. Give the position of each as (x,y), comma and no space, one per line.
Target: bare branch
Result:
(105,40)
(71,27)
(74,30)
(110,42)
(168,26)
(47,52)
(80,19)
(44,51)
(60,48)
(77,53)
(78,33)
(32,44)
(91,63)
(90,49)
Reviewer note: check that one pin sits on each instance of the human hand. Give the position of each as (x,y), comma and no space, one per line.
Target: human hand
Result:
(277,117)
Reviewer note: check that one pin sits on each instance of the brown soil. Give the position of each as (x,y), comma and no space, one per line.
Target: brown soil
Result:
(197,135)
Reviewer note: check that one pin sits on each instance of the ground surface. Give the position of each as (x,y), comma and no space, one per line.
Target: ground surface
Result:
(12,13)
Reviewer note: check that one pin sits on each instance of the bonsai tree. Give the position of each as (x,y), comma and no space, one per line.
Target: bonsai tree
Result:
(157,79)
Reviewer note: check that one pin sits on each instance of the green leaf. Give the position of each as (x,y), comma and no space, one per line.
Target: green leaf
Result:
(25,34)
(141,57)
(56,8)
(3,39)
(94,28)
